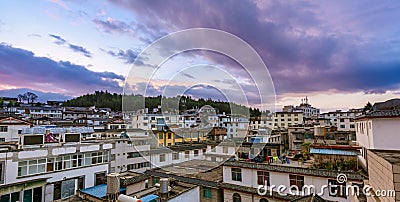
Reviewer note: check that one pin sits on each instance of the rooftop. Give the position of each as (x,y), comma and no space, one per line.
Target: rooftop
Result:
(380,114)
(98,191)
(391,156)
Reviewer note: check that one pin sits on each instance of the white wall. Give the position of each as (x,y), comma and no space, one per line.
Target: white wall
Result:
(249,179)
(192,195)
(12,133)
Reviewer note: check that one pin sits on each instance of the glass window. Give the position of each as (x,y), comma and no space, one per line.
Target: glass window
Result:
(236,174)
(263,178)
(162,157)
(237,197)
(175,156)
(207,192)
(296,180)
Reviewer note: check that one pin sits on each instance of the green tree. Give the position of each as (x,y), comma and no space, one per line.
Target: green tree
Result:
(368,107)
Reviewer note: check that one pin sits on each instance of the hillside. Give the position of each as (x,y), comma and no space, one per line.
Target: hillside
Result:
(102,99)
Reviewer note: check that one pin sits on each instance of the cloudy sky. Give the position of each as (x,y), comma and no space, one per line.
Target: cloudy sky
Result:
(340,54)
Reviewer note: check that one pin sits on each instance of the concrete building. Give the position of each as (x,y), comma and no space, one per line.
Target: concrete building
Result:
(287,119)
(377,130)
(334,116)
(52,171)
(241,180)
(11,127)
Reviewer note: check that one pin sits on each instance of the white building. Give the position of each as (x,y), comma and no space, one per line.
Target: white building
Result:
(377,130)
(240,178)
(334,116)
(306,108)
(11,127)
(52,172)
(345,124)
(150,121)
(287,119)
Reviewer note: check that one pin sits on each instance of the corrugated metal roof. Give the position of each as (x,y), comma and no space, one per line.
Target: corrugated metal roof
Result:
(98,191)
(333,152)
(149,198)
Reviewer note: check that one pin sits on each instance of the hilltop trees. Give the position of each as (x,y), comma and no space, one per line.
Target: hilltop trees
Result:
(113,101)
(28,96)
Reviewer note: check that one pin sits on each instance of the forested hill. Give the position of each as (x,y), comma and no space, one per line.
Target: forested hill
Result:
(102,99)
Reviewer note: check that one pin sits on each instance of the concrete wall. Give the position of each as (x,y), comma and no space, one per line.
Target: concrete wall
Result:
(12,133)
(249,179)
(192,195)
(381,175)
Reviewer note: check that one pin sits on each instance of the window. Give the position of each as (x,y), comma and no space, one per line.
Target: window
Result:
(160,136)
(207,192)
(263,200)
(236,197)
(341,120)
(342,126)
(236,174)
(225,150)
(169,135)
(351,125)
(196,152)
(263,178)
(339,190)
(162,157)
(133,155)
(3,129)
(186,154)
(31,167)
(175,156)
(296,181)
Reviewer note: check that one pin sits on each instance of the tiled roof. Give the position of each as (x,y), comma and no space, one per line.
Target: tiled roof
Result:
(380,114)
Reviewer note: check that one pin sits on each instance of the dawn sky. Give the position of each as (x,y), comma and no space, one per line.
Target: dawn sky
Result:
(340,54)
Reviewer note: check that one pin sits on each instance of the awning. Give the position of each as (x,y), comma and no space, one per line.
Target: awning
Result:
(17,187)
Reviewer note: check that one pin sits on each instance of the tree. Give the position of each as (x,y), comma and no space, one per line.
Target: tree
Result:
(368,107)
(31,97)
(1,102)
(22,97)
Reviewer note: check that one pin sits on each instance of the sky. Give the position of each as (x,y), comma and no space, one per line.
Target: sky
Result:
(340,54)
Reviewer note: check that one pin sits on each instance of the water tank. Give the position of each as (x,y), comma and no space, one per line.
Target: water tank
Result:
(125,198)
(164,183)
(113,185)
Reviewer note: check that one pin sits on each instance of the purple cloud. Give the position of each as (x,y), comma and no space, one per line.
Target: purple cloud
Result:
(21,68)
(307,46)
(79,49)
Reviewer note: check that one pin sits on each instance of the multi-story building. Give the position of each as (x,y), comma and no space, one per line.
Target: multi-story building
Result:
(150,121)
(345,124)
(43,111)
(335,116)
(306,108)
(287,119)
(235,126)
(11,127)
(241,180)
(38,171)
(377,130)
